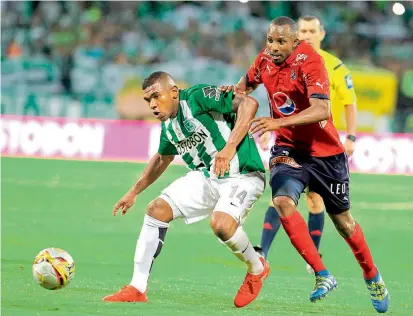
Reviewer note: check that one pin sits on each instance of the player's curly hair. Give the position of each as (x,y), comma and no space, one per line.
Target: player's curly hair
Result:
(152,78)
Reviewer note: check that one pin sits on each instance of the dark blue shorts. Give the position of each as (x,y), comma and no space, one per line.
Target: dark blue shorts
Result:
(293,171)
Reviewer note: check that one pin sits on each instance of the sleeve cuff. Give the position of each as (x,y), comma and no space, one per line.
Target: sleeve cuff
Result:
(319,96)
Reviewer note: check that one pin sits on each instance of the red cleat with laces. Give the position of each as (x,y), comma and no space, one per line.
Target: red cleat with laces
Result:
(127,294)
(252,285)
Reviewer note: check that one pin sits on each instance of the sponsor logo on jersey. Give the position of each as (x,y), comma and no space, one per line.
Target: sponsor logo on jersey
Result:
(301,57)
(321,85)
(285,160)
(349,81)
(211,92)
(191,142)
(283,103)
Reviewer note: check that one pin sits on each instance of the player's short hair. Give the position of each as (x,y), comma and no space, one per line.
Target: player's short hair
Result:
(285,20)
(310,17)
(152,78)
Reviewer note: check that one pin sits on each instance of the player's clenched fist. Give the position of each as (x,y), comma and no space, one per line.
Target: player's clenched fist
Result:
(125,203)
(264,124)
(223,159)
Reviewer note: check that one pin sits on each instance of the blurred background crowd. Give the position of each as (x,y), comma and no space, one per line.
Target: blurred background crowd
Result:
(87,58)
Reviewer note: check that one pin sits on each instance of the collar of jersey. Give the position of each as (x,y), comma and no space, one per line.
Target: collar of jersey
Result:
(300,47)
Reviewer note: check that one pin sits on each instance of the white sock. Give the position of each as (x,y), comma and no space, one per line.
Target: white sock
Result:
(148,247)
(240,245)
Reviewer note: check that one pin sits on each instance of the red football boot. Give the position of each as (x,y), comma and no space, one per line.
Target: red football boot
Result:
(127,294)
(252,285)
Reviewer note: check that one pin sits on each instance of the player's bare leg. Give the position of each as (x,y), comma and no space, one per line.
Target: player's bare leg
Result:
(353,235)
(226,228)
(315,206)
(148,247)
(296,229)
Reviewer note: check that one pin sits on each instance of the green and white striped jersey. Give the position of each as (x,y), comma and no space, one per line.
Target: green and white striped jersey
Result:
(201,129)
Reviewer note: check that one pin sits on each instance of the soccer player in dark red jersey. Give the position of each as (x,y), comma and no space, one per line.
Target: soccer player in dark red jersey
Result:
(307,151)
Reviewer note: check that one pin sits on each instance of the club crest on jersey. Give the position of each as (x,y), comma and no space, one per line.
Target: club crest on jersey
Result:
(283,103)
(293,74)
(189,125)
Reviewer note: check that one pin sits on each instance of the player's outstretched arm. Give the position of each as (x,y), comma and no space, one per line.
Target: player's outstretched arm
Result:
(246,107)
(248,83)
(156,166)
(243,86)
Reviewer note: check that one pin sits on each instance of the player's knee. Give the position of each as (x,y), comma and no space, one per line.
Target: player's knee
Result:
(284,205)
(160,210)
(314,202)
(223,225)
(344,223)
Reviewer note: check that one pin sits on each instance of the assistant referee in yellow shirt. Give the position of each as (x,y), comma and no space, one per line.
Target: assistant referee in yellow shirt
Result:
(311,30)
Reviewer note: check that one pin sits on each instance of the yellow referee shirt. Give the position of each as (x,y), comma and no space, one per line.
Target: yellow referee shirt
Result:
(341,85)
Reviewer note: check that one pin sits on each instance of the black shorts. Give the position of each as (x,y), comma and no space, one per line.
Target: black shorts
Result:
(293,171)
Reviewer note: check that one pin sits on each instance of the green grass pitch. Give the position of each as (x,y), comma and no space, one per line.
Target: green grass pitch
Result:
(68,204)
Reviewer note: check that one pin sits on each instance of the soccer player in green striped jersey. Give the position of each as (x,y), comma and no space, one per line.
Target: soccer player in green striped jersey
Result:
(209,130)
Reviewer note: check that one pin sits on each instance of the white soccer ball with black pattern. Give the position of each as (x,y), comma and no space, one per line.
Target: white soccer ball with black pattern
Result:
(53,268)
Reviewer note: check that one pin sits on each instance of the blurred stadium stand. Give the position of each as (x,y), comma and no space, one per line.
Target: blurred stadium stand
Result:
(87,59)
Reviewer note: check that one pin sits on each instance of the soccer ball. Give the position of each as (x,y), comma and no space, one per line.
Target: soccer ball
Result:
(53,268)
